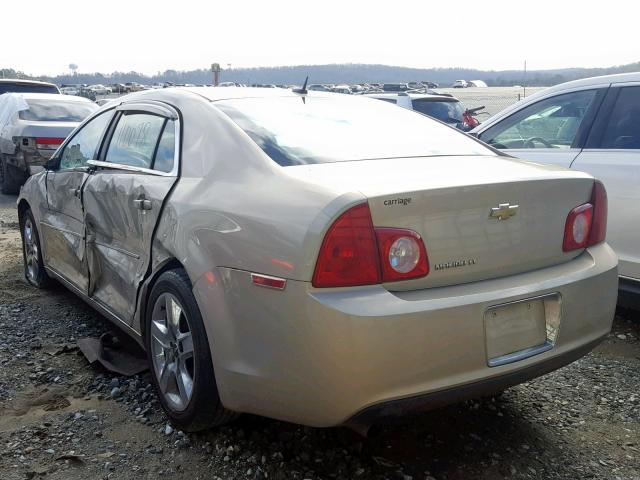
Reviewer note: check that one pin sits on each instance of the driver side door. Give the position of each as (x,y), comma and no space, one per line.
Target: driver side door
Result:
(550,131)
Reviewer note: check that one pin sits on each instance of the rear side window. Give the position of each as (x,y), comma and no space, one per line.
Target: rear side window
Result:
(57,111)
(26,88)
(166,148)
(85,143)
(134,140)
(623,128)
(550,123)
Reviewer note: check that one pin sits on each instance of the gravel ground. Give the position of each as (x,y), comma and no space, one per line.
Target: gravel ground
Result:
(61,418)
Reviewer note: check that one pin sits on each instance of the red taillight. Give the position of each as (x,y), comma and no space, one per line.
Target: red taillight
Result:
(586,224)
(354,253)
(349,254)
(49,140)
(600,208)
(577,228)
(402,254)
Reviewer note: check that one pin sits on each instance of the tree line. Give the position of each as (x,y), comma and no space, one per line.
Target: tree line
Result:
(337,73)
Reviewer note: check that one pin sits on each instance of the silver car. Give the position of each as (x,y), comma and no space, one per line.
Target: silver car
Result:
(592,125)
(32,127)
(318,258)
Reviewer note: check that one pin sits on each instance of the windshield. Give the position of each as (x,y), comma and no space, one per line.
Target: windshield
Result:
(297,130)
(445,111)
(27,88)
(57,111)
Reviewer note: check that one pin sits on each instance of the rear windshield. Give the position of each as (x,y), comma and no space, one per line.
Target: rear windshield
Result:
(297,131)
(447,111)
(26,88)
(57,111)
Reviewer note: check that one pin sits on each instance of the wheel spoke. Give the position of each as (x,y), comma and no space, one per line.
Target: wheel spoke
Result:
(168,371)
(185,386)
(160,333)
(185,343)
(173,314)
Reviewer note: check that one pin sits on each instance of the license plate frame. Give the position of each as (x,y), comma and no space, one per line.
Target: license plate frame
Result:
(522,328)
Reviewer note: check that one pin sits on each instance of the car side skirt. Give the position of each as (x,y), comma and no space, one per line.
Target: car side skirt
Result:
(97,305)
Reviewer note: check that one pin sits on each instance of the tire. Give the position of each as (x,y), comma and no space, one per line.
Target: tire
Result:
(9,184)
(34,270)
(175,361)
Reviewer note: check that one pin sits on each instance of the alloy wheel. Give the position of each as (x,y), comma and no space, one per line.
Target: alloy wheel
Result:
(32,265)
(172,351)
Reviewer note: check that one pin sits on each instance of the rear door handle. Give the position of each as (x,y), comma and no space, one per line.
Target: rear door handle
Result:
(75,191)
(142,204)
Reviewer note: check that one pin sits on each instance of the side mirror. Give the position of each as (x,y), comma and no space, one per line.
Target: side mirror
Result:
(51,164)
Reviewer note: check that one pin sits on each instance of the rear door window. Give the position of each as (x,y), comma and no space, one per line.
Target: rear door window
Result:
(447,112)
(27,88)
(623,128)
(550,123)
(135,139)
(166,148)
(57,111)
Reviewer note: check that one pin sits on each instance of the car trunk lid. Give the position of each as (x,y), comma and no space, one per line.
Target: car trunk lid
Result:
(480,217)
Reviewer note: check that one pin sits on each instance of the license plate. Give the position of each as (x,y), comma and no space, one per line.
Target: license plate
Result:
(518,330)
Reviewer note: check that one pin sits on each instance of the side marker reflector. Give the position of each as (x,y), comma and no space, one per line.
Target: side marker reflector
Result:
(267,281)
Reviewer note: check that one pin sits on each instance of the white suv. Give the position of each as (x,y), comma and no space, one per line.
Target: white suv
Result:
(591,125)
(442,107)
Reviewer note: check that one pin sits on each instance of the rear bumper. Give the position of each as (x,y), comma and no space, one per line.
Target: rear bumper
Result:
(330,357)
(429,401)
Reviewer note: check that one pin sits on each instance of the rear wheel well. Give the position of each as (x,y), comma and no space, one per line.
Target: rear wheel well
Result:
(23,206)
(169,264)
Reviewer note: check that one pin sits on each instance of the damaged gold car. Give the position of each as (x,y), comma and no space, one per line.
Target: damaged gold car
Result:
(318,258)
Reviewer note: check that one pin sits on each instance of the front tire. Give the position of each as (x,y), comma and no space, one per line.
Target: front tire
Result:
(179,356)
(34,270)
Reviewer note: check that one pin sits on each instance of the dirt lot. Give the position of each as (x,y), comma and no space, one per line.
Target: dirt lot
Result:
(61,418)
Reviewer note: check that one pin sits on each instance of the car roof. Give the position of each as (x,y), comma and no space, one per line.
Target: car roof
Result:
(51,96)
(25,82)
(587,82)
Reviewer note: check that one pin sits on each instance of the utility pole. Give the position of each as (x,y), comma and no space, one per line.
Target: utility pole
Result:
(215,69)
(524,82)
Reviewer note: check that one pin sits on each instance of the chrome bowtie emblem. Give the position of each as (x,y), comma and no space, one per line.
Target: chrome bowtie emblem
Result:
(503,211)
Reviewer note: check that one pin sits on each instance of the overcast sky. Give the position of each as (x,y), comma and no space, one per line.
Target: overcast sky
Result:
(43,37)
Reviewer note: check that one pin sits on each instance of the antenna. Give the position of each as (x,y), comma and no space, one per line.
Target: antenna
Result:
(302,90)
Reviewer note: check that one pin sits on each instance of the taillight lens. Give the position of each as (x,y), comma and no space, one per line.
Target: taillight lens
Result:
(586,224)
(48,142)
(402,254)
(353,253)
(600,209)
(577,228)
(349,254)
